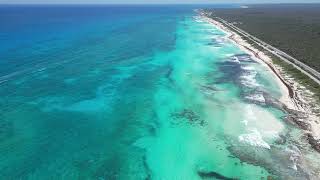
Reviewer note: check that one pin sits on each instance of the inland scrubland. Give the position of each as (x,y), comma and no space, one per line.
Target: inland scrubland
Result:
(294,28)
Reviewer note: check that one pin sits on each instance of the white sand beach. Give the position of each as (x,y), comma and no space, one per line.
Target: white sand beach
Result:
(292,97)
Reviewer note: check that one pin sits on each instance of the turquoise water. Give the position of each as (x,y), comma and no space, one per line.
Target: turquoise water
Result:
(134,93)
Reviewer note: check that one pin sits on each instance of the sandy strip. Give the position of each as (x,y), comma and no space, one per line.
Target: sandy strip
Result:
(259,56)
(291,98)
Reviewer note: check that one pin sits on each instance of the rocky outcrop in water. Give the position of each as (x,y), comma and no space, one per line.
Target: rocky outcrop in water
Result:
(293,117)
(297,118)
(278,164)
(315,143)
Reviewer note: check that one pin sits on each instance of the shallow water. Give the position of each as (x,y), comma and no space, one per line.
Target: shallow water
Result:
(134,93)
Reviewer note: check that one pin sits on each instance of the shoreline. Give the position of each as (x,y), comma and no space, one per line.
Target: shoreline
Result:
(292,101)
(286,91)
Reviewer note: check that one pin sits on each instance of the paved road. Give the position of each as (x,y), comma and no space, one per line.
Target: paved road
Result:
(312,73)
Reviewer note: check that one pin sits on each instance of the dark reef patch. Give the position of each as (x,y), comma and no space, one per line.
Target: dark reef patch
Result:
(168,74)
(147,169)
(189,115)
(212,174)
(232,71)
(278,165)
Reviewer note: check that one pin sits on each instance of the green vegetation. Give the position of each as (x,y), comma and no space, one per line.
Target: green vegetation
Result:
(291,70)
(294,29)
(299,77)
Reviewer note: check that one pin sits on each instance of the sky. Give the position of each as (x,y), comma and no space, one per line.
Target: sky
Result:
(150,1)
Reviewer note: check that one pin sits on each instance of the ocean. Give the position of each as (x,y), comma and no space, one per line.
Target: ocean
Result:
(134,92)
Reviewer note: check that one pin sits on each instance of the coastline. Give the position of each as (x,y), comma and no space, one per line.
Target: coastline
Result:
(293,100)
(286,91)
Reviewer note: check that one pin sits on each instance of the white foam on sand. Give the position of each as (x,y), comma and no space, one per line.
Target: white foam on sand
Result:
(295,155)
(263,58)
(235,59)
(249,77)
(254,138)
(257,97)
(261,126)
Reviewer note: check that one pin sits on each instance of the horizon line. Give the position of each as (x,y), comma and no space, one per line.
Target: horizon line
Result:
(216,3)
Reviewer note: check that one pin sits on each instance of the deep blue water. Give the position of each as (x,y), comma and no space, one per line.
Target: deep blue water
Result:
(39,31)
(131,92)
(74,89)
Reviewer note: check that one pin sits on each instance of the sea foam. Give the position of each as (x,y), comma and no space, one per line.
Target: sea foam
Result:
(254,138)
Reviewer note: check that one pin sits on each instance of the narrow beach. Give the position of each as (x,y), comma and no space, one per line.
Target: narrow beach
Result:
(291,100)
